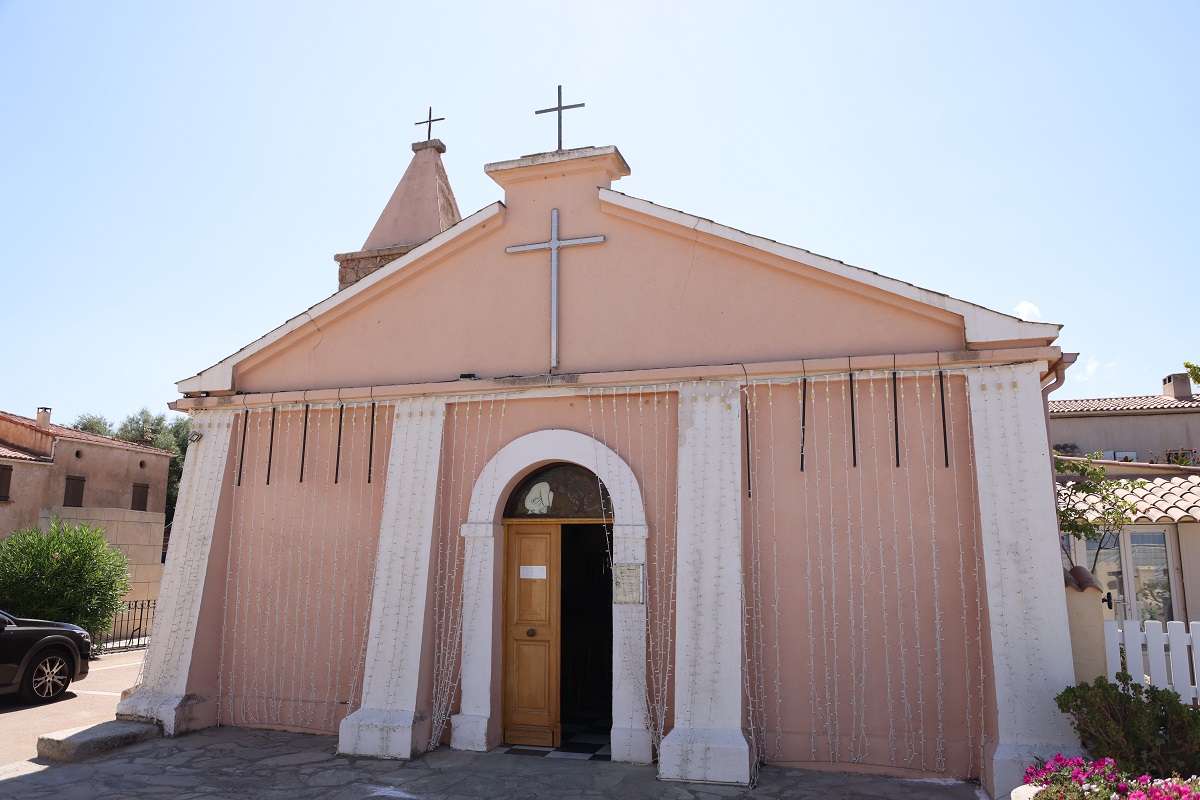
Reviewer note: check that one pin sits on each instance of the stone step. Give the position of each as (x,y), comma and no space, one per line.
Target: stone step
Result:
(76,744)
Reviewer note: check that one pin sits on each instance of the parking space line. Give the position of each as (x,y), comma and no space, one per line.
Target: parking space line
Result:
(115,666)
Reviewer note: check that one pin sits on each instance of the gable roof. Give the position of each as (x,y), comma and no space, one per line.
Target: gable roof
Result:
(1150,402)
(983,327)
(63,432)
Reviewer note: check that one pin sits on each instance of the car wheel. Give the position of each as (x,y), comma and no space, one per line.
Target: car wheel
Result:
(47,678)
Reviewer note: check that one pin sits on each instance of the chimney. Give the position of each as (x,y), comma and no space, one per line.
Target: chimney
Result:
(1178,386)
(43,416)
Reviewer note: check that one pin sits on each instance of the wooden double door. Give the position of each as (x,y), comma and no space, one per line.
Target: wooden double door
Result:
(557,628)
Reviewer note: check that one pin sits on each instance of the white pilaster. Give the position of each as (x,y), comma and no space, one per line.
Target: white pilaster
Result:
(386,725)
(473,727)
(1030,638)
(162,693)
(630,737)
(707,742)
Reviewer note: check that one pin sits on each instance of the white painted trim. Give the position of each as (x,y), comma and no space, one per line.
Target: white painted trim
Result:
(162,692)
(1030,637)
(386,724)
(708,742)
(219,377)
(982,324)
(476,726)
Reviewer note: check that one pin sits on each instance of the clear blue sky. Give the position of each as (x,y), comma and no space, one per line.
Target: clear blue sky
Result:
(176,177)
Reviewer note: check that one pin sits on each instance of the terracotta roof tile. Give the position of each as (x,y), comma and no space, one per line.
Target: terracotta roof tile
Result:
(1174,499)
(8,450)
(1155,402)
(83,436)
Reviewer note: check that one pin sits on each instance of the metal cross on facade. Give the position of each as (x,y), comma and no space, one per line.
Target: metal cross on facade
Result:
(428,123)
(559,108)
(553,246)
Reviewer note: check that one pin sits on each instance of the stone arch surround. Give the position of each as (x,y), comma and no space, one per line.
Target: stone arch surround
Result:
(477,726)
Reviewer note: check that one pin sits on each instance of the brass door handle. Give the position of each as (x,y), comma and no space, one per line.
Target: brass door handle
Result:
(532,632)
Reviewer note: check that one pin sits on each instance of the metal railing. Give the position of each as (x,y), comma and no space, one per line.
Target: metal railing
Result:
(131,627)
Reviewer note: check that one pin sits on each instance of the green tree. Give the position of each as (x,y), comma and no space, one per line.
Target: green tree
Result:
(68,573)
(1090,505)
(1193,371)
(93,423)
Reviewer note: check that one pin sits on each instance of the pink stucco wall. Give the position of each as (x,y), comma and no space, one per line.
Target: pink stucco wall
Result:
(877,610)
(864,581)
(299,565)
(647,297)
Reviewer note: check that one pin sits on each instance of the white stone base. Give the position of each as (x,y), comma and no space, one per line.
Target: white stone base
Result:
(632,745)
(710,755)
(379,732)
(469,732)
(176,713)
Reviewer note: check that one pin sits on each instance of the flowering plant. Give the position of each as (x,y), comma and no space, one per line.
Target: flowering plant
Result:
(1076,778)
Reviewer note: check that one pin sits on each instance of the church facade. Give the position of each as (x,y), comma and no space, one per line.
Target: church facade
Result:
(581,456)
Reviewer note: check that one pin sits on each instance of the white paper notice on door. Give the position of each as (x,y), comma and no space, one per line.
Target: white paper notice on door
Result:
(533,573)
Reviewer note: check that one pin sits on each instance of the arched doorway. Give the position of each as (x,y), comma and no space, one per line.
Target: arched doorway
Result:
(478,725)
(558,612)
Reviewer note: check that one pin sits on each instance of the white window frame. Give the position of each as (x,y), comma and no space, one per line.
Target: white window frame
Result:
(1174,570)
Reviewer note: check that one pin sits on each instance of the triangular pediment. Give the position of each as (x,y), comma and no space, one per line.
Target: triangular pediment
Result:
(664,289)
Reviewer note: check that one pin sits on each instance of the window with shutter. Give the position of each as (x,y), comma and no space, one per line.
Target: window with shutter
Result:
(73,497)
(141,493)
(5,482)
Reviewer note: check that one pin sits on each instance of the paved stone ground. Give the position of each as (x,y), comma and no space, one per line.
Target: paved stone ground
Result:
(241,762)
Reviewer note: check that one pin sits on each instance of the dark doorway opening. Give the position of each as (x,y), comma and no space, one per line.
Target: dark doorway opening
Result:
(587,628)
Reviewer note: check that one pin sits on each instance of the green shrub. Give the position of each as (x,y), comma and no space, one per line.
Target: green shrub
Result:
(67,574)
(1144,729)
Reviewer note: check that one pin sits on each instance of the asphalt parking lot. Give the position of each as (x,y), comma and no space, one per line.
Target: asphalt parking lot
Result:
(92,700)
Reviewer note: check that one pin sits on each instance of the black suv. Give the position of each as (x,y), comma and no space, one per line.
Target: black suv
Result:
(39,659)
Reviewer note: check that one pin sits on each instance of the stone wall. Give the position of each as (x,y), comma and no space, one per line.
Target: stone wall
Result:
(138,534)
(353,267)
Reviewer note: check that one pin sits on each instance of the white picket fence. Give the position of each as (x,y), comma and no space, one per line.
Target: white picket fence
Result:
(1164,659)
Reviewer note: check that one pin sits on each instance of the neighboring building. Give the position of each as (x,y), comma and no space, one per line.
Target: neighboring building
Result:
(738,501)
(1148,428)
(48,470)
(1152,565)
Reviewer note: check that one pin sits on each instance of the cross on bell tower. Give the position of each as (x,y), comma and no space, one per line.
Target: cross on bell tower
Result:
(428,123)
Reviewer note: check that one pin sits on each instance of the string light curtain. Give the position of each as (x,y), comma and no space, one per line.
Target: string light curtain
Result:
(863,573)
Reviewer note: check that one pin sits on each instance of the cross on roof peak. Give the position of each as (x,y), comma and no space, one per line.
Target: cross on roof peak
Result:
(428,123)
(559,109)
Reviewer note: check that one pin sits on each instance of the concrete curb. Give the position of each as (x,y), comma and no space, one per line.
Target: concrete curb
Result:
(76,744)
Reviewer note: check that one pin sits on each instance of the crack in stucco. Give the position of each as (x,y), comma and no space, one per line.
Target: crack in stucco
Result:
(312,354)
